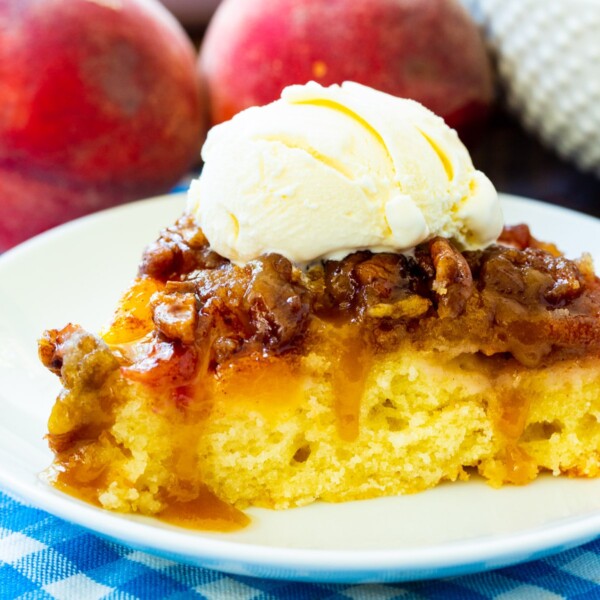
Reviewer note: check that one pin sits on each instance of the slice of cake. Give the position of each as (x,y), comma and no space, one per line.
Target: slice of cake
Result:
(333,318)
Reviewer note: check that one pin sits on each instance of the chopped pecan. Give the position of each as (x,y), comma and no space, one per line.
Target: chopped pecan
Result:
(532,276)
(179,250)
(175,315)
(278,305)
(453,283)
(50,347)
(78,357)
(341,285)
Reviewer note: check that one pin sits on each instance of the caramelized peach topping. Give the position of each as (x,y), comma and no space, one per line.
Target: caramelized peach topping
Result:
(505,298)
(509,299)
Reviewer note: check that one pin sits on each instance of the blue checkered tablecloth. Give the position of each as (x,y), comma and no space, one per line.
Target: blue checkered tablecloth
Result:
(43,557)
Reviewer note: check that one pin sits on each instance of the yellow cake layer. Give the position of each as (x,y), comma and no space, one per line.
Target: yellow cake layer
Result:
(287,438)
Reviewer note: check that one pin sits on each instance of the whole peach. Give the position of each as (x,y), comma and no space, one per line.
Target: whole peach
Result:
(99,104)
(428,50)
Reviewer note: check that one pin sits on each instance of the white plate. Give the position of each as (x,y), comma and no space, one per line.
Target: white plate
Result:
(77,272)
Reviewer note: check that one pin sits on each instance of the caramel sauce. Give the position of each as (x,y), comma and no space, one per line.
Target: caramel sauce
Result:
(69,481)
(510,417)
(205,512)
(519,467)
(352,364)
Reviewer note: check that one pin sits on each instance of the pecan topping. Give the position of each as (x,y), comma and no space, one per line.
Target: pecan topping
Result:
(521,298)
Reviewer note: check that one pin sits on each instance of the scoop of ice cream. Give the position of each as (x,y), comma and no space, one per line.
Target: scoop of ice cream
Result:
(324,172)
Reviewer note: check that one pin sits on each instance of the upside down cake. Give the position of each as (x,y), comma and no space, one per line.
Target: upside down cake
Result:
(274,382)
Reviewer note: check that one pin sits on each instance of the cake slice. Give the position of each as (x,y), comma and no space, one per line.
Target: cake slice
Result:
(232,377)
(379,374)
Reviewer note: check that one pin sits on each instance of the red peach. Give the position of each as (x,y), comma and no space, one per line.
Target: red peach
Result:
(428,50)
(99,104)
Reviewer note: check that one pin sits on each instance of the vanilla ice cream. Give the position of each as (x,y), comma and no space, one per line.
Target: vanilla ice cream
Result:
(324,172)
